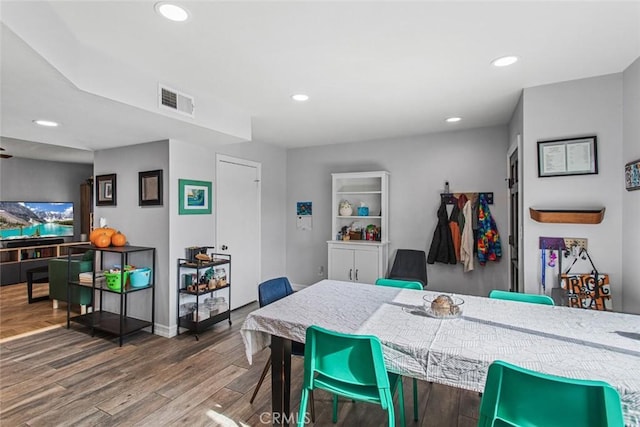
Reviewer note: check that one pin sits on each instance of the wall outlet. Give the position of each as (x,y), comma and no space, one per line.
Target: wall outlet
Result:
(571,242)
(321,271)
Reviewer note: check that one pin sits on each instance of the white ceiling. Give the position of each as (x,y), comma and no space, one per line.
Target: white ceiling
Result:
(372,69)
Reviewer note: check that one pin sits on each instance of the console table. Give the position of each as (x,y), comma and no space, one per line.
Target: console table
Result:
(18,257)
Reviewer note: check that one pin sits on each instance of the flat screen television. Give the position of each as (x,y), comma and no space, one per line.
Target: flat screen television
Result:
(27,220)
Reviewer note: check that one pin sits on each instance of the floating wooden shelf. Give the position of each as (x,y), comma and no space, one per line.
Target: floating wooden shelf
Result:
(568,216)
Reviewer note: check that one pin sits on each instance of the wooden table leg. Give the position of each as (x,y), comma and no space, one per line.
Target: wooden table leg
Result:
(280,380)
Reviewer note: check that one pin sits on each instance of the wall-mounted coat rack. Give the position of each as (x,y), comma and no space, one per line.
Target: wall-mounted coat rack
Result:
(452,198)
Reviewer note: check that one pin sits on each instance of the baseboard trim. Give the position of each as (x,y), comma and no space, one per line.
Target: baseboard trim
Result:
(165,331)
(298,286)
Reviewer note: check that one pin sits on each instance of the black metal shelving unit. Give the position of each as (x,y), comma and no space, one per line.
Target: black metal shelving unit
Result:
(191,321)
(119,324)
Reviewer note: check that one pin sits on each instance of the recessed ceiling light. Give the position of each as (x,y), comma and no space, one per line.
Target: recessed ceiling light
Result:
(453,119)
(300,97)
(172,12)
(504,61)
(47,123)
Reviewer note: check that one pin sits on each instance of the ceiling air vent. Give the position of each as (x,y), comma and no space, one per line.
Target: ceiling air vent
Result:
(176,101)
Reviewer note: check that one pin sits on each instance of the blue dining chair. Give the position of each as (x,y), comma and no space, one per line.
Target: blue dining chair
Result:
(396,283)
(351,366)
(515,396)
(268,292)
(517,296)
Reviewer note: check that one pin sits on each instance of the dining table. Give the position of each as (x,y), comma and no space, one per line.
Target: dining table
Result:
(455,350)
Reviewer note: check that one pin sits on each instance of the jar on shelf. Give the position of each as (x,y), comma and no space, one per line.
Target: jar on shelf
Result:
(219,305)
(220,275)
(187,308)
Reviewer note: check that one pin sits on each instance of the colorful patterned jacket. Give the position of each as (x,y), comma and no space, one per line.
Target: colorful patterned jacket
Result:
(489,246)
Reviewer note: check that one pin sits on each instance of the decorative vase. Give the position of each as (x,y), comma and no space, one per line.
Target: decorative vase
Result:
(345,208)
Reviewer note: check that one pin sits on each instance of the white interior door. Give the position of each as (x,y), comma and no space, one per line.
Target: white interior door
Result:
(238,224)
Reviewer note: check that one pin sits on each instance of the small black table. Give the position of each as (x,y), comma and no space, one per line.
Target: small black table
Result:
(42,279)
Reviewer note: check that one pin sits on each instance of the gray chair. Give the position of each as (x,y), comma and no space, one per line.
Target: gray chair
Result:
(410,265)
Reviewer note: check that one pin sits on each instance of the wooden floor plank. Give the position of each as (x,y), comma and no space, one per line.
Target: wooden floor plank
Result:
(442,407)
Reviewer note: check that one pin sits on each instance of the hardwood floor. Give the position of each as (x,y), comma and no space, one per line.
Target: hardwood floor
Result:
(17,317)
(66,377)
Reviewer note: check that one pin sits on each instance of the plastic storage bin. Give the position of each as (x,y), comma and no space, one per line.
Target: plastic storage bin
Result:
(114,280)
(140,277)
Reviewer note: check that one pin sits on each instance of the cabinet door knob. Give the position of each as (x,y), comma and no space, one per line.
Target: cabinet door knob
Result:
(356,274)
(350,274)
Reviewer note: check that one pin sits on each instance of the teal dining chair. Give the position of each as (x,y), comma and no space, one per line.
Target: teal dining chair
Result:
(515,396)
(396,283)
(516,296)
(351,366)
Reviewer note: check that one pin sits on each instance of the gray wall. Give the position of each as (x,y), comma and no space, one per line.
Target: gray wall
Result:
(576,108)
(631,199)
(472,160)
(41,180)
(143,225)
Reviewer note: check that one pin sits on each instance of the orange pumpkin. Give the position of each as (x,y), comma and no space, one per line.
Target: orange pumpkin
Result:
(118,239)
(109,231)
(95,233)
(102,241)
(101,230)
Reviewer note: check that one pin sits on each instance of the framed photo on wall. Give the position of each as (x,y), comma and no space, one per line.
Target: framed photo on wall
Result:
(632,175)
(571,156)
(194,197)
(150,188)
(106,190)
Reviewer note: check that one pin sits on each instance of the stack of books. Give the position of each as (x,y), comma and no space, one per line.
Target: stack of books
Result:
(87,278)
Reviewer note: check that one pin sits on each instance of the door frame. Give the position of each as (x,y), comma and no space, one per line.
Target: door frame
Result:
(242,162)
(516,147)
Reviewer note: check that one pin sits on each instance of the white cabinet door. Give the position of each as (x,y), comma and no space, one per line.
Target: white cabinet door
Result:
(341,264)
(354,265)
(366,266)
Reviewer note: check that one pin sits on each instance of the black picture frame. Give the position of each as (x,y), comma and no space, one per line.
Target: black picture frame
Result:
(106,190)
(150,188)
(568,156)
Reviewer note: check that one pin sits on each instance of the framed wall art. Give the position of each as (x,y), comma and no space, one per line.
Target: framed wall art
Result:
(195,197)
(150,188)
(632,175)
(571,156)
(106,190)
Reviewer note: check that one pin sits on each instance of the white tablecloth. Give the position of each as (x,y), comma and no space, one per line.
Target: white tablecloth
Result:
(563,341)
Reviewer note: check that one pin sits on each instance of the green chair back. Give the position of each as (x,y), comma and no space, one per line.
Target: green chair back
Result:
(516,296)
(351,366)
(514,396)
(396,283)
